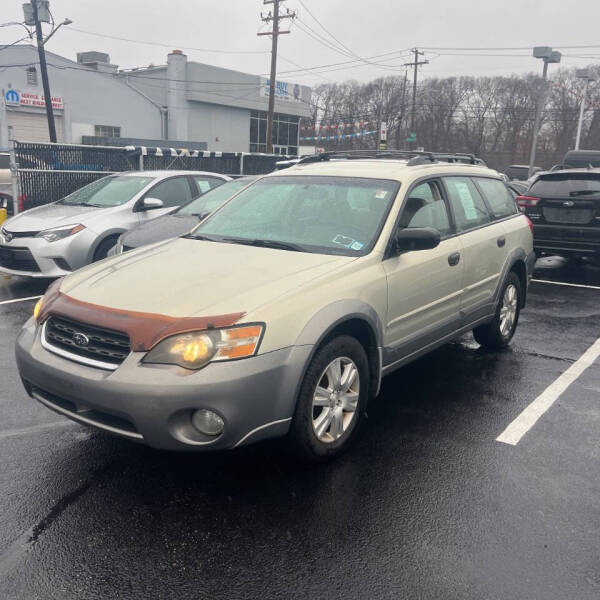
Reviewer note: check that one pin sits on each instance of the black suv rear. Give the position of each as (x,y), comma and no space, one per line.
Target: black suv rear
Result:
(564,207)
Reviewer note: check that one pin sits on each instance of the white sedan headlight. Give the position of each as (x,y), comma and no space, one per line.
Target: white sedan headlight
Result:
(59,233)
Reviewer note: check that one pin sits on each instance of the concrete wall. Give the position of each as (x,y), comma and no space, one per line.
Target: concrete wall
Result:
(90,98)
(224,128)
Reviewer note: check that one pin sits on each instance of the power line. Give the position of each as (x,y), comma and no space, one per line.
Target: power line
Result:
(166,45)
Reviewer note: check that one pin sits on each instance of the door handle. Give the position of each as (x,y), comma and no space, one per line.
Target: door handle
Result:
(501,241)
(453,259)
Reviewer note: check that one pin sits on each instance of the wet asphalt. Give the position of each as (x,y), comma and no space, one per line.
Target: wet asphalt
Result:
(426,504)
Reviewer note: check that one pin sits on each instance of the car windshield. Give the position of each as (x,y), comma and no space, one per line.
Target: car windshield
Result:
(330,215)
(566,185)
(108,191)
(213,198)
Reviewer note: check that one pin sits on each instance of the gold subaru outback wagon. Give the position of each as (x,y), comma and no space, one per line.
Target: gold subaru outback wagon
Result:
(280,313)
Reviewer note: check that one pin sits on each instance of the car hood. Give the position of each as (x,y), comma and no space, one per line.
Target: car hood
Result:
(187,278)
(51,215)
(157,230)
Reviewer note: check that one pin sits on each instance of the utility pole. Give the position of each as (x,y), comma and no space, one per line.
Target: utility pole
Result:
(549,56)
(274,18)
(412,138)
(44,70)
(582,74)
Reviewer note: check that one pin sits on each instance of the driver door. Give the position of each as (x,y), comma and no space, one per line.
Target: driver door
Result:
(424,287)
(173,192)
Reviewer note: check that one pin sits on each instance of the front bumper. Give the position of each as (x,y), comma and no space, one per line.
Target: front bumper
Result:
(52,259)
(153,404)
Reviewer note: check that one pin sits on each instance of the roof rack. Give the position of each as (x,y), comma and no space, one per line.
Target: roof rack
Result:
(413,157)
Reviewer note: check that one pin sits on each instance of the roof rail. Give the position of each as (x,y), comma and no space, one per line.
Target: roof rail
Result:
(413,157)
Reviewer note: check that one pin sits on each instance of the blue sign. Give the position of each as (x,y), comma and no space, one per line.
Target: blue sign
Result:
(12,97)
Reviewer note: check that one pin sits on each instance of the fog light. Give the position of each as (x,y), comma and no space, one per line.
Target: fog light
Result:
(207,422)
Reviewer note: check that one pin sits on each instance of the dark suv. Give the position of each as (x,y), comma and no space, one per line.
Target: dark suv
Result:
(564,207)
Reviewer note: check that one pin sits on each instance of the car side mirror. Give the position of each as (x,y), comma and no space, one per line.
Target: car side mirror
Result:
(418,238)
(151,203)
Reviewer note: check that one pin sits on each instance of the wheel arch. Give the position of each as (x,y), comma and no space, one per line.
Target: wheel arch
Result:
(111,233)
(346,317)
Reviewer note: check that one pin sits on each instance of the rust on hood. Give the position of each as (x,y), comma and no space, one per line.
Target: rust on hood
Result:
(145,330)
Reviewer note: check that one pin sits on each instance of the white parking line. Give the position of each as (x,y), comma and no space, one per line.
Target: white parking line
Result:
(579,285)
(530,415)
(19,300)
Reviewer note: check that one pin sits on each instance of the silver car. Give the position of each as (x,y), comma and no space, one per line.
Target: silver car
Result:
(58,238)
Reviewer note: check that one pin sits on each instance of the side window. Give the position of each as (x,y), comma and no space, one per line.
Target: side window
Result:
(467,204)
(173,192)
(204,183)
(425,207)
(500,199)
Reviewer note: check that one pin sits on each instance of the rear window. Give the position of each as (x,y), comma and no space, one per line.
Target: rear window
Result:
(566,185)
(501,201)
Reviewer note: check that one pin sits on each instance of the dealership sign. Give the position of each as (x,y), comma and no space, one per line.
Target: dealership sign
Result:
(283,90)
(16,98)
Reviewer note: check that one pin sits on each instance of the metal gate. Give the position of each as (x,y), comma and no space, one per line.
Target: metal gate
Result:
(45,172)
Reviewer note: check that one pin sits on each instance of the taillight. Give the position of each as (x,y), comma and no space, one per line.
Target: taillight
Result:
(525,202)
(21,201)
(529,222)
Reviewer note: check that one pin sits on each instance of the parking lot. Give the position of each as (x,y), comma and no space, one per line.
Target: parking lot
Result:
(427,504)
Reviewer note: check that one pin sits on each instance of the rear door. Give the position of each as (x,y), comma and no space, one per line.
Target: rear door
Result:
(205,183)
(484,245)
(565,210)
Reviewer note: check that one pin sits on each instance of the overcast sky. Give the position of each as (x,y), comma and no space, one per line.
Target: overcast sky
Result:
(366,28)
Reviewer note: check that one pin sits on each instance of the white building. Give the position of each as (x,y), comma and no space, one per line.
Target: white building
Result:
(205,106)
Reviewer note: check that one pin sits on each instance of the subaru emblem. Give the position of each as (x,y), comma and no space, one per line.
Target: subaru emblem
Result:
(569,203)
(80,339)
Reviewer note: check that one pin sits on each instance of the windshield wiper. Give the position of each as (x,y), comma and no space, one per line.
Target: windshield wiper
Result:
(267,244)
(584,192)
(204,238)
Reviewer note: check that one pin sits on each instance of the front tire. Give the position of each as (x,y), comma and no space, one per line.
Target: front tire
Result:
(498,333)
(332,400)
(103,248)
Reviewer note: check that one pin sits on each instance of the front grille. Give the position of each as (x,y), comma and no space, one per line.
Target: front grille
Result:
(568,216)
(21,234)
(95,343)
(18,259)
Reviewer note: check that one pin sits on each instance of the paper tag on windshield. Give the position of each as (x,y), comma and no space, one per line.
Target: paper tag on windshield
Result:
(466,200)
(381,194)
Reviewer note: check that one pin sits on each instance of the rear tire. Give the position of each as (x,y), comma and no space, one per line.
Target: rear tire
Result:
(103,248)
(332,400)
(498,333)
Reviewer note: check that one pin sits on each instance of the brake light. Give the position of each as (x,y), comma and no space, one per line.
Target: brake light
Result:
(21,202)
(529,222)
(525,202)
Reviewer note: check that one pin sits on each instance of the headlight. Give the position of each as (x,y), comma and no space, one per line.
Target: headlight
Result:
(37,308)
(59,233)
(196,349)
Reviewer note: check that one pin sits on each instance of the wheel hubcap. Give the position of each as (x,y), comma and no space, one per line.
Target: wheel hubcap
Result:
(335,399)
(508,312)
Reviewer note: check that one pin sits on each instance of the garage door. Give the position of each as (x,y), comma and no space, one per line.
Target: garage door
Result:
(33,127)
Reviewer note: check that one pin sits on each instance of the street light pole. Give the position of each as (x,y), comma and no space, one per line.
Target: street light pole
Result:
(582,74)
(549,56)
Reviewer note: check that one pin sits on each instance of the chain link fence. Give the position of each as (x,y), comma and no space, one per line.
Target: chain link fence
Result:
(46,172)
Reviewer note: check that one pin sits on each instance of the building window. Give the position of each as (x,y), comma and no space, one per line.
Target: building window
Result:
(285,133)
(107,131)
(31,76)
